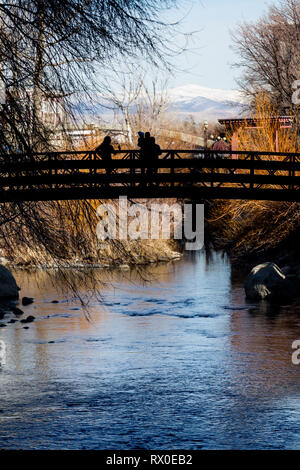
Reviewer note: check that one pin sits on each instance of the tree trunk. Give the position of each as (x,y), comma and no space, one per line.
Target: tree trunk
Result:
(37,96)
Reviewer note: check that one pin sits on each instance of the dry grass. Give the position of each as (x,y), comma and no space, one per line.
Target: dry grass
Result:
(263,138)
(249,227)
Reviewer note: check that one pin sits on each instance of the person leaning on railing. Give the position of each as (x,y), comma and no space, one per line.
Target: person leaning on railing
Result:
(105,150)
(222,145)
(155,152)
(141,144)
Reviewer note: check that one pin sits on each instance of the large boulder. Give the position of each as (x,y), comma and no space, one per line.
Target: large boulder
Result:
(267,281)
(8,285)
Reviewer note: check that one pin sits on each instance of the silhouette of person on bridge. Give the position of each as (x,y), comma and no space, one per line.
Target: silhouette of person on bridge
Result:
(105,151)
(149,152)
(155,152)
(144,142)
(141,139)
(220,144)
(141,145)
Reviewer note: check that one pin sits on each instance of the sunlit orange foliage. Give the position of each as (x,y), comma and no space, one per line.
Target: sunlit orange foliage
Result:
(255,226)
(263,138)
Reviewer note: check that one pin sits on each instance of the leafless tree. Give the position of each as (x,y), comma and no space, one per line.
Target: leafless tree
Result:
(58,49)
(269,52)
(138,103)
(61,50)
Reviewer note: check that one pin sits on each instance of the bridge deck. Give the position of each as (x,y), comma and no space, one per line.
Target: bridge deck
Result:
(177,173)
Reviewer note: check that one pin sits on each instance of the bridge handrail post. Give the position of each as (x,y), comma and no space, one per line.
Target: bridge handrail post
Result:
(212,157)
(252,159)
(132,168)
(172,157)
(50,169)
(94,157)
(292,170)
(55,168)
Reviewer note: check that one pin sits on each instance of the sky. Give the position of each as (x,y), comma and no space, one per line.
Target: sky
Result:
(208,63)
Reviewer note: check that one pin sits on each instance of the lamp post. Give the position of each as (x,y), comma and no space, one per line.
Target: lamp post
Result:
(205,133)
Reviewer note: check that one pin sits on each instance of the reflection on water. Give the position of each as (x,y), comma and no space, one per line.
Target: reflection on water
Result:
(182,362)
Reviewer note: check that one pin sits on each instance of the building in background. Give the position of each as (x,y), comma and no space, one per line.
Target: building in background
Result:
(233,125)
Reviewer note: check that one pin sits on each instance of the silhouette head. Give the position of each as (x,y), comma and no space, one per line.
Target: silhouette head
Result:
(107,140)
(147,135)
(141,134)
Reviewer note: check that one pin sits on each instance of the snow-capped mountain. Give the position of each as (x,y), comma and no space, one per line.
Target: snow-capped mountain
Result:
(204,103)
(201,102)
(185,92)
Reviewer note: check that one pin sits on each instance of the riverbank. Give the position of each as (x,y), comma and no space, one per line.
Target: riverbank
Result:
(253,232)
(121,255)
(64,235)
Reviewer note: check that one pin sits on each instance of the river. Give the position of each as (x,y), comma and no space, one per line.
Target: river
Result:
(170,358)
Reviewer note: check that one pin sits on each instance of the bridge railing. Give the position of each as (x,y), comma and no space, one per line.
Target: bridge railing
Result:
(135,154)
(175,173)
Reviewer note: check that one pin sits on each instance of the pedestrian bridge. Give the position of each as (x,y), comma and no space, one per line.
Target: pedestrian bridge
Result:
(192,174)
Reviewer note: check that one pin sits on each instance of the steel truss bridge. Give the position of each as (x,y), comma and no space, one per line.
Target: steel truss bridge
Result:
(186,174)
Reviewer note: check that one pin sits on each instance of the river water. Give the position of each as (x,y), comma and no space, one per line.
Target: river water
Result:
(173,358)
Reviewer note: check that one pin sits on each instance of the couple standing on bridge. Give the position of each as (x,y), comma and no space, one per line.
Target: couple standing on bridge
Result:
(149,150)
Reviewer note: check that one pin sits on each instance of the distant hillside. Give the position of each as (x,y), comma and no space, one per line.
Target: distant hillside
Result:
(205,103)
(201,102)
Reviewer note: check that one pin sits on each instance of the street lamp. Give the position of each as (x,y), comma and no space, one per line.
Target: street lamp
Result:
(205,133)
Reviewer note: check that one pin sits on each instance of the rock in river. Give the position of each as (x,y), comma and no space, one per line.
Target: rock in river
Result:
(8,285)
(29,319)
(267,281)
(27,300)
(16,310)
